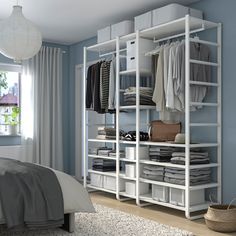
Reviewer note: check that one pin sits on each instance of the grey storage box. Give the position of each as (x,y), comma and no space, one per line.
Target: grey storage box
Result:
(143,21)
(104,34)
(173,12)
(122,28)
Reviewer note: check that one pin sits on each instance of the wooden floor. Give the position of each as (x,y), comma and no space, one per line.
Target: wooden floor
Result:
(160,214)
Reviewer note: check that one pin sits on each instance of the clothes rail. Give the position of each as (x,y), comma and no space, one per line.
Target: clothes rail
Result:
(179,35)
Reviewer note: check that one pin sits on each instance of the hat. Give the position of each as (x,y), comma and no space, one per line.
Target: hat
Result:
(180,138)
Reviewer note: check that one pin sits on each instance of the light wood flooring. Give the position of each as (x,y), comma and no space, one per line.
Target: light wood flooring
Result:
(160,214)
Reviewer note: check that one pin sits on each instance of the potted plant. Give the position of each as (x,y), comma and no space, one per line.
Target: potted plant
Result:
(12,120)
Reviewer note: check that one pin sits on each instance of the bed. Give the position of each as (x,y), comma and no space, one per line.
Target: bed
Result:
(75,199)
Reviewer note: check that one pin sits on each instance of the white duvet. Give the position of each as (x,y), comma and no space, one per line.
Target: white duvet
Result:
(75,197)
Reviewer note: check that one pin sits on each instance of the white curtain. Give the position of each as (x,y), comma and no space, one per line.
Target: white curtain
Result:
(41,109)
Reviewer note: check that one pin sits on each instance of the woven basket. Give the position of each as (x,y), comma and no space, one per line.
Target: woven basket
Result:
(221,218)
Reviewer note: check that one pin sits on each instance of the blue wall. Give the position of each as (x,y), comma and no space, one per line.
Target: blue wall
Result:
(224,12)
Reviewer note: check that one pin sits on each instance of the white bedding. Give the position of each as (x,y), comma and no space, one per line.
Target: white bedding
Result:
(76,198)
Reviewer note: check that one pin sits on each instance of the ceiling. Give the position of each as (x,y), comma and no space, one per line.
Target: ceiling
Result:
(71,21)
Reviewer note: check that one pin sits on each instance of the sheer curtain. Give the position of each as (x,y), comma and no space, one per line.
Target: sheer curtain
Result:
(41,108)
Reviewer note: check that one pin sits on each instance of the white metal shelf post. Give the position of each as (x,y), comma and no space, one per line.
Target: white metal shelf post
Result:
(187,116)
(219,110)
(84,132)
(137,115)
(117,118)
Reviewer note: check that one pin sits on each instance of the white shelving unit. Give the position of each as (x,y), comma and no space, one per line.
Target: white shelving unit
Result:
(182,27)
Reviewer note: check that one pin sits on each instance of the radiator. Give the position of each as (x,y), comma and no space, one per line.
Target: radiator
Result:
(13,152)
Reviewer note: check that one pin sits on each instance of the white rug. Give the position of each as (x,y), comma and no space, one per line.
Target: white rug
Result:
(109,222)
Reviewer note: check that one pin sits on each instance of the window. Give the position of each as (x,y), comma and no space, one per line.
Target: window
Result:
(10,77)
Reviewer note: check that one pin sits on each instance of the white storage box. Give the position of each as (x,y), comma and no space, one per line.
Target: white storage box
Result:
(145,45)
(160,193)
(109,183)
(172,12)
(96,180)
(122,28)
(177,197)
(130,153)
(196,13)
(143,21)
(130,188)
(104,34)
(130,170)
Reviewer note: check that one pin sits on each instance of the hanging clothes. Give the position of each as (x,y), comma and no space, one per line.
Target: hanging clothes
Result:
(170,77)
(112,84)
(104,85)
(100,91)
(158,93)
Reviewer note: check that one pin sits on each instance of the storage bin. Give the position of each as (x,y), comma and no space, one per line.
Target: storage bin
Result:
(109,182)
(196,13)
(160,193)
(130,170)
(172,12)
(130,188)
(177,197)
(122,28)
(145,45)
(104,34)
(130,153)
(143,21)
(96,180)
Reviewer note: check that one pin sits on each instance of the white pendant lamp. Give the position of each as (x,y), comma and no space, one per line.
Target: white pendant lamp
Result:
(19,38)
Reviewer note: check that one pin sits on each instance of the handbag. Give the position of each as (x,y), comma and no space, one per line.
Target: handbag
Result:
(160,131)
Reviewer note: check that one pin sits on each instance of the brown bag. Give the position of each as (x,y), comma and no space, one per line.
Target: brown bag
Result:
(162,132)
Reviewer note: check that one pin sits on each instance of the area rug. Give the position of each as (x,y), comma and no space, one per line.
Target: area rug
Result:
(108,222)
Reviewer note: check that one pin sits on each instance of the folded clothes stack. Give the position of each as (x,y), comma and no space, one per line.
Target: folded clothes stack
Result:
(104,165)
(113,153)
(161,154)
(197,176)
(195,158)
(145,96)
(102,151)
(153,172)
(107,133)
